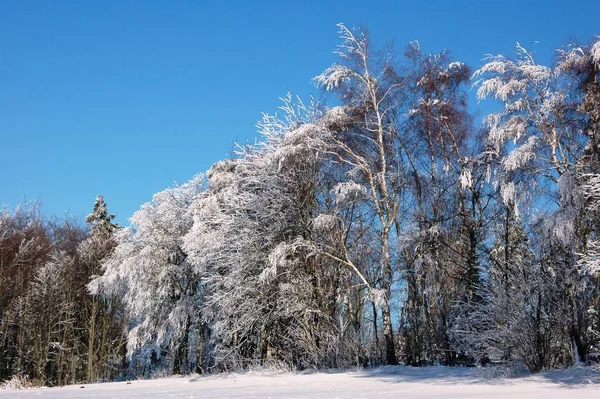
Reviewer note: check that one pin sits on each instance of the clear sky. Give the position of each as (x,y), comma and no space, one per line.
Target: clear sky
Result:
(124,98)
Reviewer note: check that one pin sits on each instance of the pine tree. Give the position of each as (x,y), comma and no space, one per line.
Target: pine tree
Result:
(100,218)
(102,315)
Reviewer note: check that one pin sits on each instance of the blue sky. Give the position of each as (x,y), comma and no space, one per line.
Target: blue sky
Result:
(124,98)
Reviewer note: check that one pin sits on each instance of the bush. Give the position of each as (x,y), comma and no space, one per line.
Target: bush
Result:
(18,382)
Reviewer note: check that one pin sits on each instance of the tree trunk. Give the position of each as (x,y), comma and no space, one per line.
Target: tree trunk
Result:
(390,349)
(92,340)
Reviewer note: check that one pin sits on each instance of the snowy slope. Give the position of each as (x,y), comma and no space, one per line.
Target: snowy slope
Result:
(385,382)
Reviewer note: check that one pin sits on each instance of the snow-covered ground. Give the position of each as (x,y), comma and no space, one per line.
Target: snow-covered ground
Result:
(383,382)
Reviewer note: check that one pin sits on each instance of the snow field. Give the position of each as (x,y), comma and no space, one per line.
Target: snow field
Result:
(382,382)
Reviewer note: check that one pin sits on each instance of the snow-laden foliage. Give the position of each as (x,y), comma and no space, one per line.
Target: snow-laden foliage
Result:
(250,240)
(595,52)
(325,223)
(348,192)
(149,271)
(590,190)
(333,77)
(521,156)
(302,140)
(577,58)
(535,126)
(466,178)
(100,218)
(338,118)
(354,44)
(507,78)
(589,261)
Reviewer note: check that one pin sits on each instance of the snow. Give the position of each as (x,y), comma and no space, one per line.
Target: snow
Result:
(381,382)
(325,223)
(333,77)
(348,192)
(455,66)
(595,51)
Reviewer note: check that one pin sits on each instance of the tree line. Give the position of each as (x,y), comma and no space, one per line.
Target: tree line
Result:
(386,227)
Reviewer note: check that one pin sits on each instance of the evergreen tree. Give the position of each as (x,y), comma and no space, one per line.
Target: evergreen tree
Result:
(103,315)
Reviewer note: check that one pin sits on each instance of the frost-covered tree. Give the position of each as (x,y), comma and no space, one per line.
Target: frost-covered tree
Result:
(269,296)
(538,121)
(100,219)
(149,271)
(582,65)
(441,255)
(364,135)
(401,138)
(544,138)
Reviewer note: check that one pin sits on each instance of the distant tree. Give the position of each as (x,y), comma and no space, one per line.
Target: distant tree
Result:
(100,219)
(25,246)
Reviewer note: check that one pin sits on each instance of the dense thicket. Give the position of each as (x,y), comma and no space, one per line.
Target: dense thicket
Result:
(385,229)
(51,329)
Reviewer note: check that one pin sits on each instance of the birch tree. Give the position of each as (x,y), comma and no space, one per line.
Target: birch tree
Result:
(364,135)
